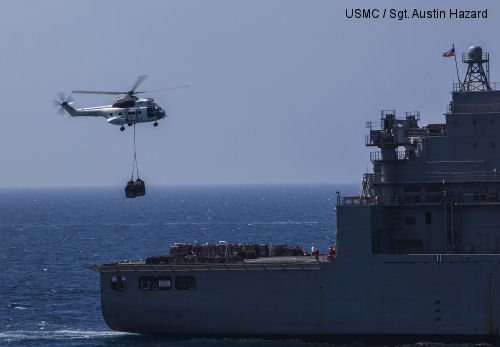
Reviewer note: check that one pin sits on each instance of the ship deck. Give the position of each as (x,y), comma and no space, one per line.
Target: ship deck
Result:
(262,263)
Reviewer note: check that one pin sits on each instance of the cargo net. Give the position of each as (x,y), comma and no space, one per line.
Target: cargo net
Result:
(223,252)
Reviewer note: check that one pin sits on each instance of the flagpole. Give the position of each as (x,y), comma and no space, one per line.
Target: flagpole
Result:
(456,66)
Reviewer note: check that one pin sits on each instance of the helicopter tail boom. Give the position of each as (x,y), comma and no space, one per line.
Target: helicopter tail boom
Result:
(69,109)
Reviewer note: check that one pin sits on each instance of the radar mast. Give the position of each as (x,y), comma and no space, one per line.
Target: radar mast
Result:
(477,77)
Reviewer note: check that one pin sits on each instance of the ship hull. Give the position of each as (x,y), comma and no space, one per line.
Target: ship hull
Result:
(406,297)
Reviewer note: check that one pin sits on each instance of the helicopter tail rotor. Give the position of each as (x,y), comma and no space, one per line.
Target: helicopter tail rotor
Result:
(61,101)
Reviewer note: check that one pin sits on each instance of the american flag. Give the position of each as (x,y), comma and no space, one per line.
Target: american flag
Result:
(450,53)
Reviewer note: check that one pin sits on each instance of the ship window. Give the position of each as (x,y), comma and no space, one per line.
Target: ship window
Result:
(145,283)
(185,283)
(119,113)
(118,282)
(164,283)
(155,283)
(410,220)
(428,218)
(474,122)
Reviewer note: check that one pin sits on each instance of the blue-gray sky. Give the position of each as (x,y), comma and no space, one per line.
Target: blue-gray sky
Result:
(280,90)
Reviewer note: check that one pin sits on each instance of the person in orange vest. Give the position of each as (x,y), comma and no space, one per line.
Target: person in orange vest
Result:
(332,252)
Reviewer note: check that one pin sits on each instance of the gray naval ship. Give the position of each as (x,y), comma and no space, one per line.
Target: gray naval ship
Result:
(418,249)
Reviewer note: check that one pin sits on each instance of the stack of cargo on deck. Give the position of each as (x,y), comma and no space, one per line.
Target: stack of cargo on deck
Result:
(223,253)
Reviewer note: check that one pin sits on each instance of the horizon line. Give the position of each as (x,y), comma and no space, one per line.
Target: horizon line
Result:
(180,185)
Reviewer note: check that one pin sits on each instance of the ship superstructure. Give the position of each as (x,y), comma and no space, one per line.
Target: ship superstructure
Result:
(438,184)
(418,248)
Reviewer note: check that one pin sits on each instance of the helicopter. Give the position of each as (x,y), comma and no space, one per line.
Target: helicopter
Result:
(128,109)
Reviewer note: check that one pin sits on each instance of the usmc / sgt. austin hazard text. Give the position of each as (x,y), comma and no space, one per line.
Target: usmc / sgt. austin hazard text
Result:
(400,14)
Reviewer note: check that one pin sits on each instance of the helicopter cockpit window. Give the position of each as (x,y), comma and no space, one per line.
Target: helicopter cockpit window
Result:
(151,113)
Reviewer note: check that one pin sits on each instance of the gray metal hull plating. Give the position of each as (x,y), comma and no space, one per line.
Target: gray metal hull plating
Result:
(428,295)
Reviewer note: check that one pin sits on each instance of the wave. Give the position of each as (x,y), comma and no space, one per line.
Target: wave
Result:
(20,335)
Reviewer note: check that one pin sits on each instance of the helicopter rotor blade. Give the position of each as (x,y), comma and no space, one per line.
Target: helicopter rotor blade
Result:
(162,89)
(137,82)
(61,111)
(61,96)
(96,92)
(69,99)
(56,103)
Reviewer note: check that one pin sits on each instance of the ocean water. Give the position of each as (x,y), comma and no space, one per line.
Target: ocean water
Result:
(48,298)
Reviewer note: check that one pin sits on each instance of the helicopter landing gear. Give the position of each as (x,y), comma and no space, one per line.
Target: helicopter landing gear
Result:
(122,128)
(155,124)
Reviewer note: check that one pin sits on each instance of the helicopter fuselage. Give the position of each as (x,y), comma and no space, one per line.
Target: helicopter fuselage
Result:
(123,111)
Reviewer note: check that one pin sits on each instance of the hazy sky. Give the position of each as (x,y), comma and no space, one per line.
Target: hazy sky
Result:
(280,90)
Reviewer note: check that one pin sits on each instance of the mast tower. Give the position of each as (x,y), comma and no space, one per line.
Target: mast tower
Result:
(477,77)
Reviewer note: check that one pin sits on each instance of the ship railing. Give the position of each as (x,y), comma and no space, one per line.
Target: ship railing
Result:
(377,155)
(476,198)
(374,200)
(416,132)
(412,200)
(371,140)
(429,130)
(415,115)
(410,115)
(488,176)
(482,57)
(457,87)
(134,266)
(353,200)
(368,200)
(473,108)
